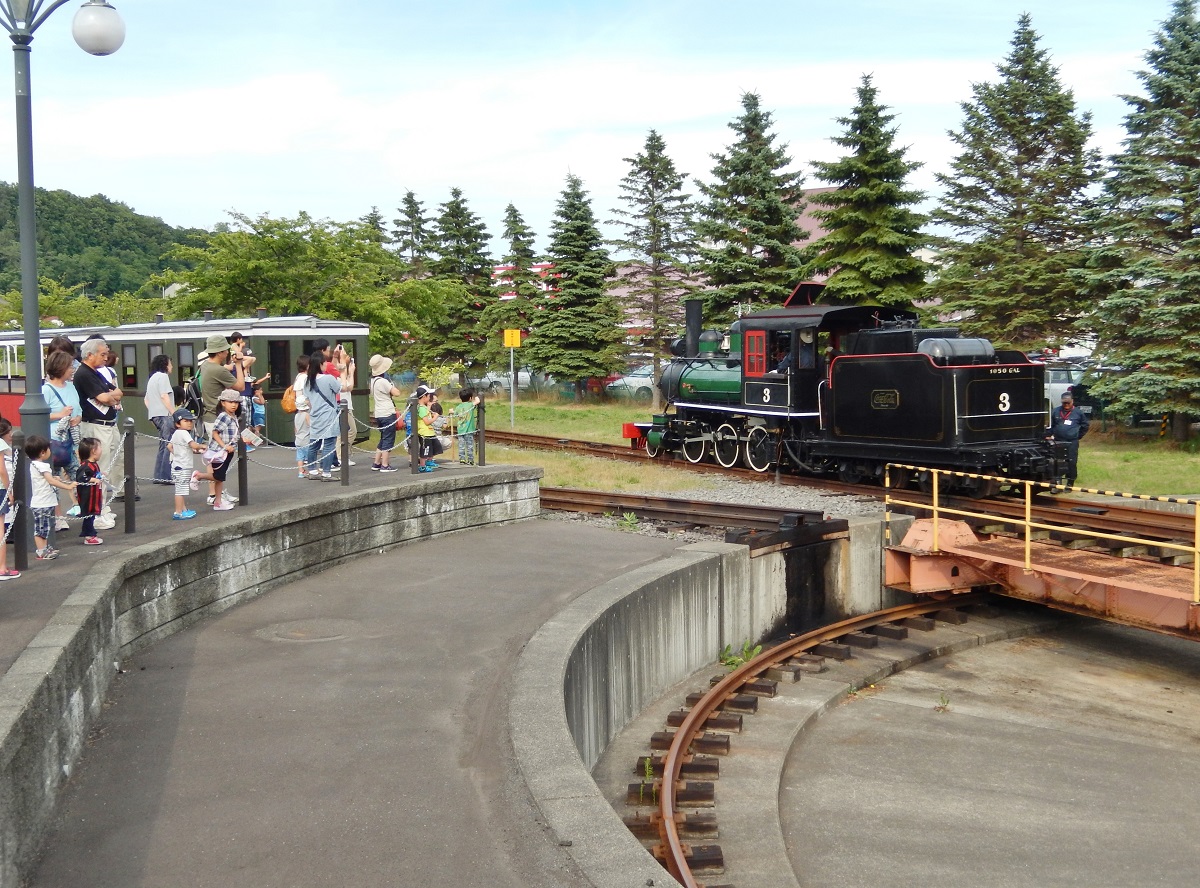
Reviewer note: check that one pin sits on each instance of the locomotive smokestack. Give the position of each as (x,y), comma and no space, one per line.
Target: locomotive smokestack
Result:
(694,318)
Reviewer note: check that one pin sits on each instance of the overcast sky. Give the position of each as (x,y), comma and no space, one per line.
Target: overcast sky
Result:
(279,106)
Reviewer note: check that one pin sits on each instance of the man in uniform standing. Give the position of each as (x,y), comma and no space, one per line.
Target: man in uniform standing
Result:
(1068,424)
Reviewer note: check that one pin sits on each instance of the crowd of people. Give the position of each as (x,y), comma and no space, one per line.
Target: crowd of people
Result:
(85,404)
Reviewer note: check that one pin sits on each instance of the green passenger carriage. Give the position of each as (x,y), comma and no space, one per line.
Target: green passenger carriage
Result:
(275,341)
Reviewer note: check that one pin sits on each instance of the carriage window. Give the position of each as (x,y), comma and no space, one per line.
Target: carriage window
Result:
(156,349)
(754,352)
(279,363)
(186,366)
(129,366)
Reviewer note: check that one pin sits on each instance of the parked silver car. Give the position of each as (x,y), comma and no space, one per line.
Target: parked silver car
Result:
(637,385)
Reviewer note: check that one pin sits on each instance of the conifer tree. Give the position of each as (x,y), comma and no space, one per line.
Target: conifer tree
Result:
(460,242)
(1017,202)
(1149,317)
(515,294)
(413,234)
(373,226)
(659,236)
(872,232)
(577,332)
(748,225)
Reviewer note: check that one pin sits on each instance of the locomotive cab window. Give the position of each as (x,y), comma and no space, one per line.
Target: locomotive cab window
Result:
(754,352)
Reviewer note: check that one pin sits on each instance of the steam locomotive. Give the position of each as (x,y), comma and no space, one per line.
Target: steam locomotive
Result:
(845,390)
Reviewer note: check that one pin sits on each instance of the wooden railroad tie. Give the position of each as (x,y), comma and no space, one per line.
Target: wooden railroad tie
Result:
(708,743)
(691,824)
(890,631)
(700,858)
(688,793)
(757,687)
(833,650)
(747,704)
(699,766)
(717,721)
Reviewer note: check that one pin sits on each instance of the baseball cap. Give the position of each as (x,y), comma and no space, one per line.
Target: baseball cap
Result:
(423,390)
(182,414)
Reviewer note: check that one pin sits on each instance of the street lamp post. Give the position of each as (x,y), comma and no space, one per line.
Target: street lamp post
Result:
(97,29)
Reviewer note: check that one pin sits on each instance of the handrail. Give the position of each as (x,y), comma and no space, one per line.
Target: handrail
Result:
(1029,524)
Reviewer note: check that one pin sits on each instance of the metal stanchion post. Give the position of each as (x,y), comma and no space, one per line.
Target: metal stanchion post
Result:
(481,426)
(130,479)
(414,442)
(344,432)
(22,535)
(243,465)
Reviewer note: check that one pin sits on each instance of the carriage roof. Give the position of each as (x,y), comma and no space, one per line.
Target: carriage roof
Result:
(297,325)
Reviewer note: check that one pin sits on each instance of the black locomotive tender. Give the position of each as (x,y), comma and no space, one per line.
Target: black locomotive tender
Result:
(845,390)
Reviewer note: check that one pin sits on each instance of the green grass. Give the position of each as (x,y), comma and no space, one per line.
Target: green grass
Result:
(599,421)
(1136,464)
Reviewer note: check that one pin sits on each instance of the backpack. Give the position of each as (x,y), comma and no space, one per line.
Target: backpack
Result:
(288,401)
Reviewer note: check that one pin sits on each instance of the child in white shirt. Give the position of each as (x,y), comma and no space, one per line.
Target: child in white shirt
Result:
(43,500)
(182,445)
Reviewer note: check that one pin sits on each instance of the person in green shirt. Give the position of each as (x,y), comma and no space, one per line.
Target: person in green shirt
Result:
(464,415)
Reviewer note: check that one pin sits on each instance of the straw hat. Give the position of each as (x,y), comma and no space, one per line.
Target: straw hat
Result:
(380,365)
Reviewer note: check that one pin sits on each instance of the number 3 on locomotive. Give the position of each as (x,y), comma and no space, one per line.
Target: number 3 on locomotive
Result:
(1005,404)
(766,394)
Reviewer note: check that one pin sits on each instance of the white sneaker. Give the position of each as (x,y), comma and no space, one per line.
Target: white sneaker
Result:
(105,522)
(228,497)
(61,524)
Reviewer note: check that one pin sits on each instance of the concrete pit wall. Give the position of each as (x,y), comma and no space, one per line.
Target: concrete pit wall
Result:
(601,660)
(52,694)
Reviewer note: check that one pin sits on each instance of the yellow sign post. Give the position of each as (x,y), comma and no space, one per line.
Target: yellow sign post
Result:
(512,341)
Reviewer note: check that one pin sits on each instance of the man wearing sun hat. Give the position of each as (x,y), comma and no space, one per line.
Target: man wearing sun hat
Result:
(218,374)
(383,411)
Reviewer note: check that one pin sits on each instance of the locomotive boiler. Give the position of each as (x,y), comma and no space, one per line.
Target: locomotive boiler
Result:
(845,390)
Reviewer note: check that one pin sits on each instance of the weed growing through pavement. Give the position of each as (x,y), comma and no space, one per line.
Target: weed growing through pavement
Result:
(943,703)
(734,660)
(648,778)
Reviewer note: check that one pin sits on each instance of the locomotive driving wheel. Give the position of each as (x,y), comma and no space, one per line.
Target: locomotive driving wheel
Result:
(760,449)
(848,473)
(725,445)
(695,443)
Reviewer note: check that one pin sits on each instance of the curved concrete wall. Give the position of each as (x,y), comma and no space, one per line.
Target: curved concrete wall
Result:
(52,694)
(598,662)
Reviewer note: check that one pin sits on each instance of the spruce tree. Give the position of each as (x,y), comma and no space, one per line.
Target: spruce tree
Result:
(460,242)
(872,232)
(413,234)
(373,225)
(577,332)
(1017,202)
(748,225)
(515,294)
(659,236)
(1149,317)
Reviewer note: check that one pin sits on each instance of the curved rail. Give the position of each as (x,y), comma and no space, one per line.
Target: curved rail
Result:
(693,723)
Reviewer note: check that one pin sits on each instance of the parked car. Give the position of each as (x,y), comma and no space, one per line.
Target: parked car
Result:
(637,385)
(527,380)
(1062,378)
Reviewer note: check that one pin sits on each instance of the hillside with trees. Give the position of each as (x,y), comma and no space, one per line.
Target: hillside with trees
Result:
(100,246)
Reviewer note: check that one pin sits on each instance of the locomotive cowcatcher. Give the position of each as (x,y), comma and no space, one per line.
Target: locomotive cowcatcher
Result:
(844,390)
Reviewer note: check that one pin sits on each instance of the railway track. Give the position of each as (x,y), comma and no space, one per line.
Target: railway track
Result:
(1075,515)
(706,729)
